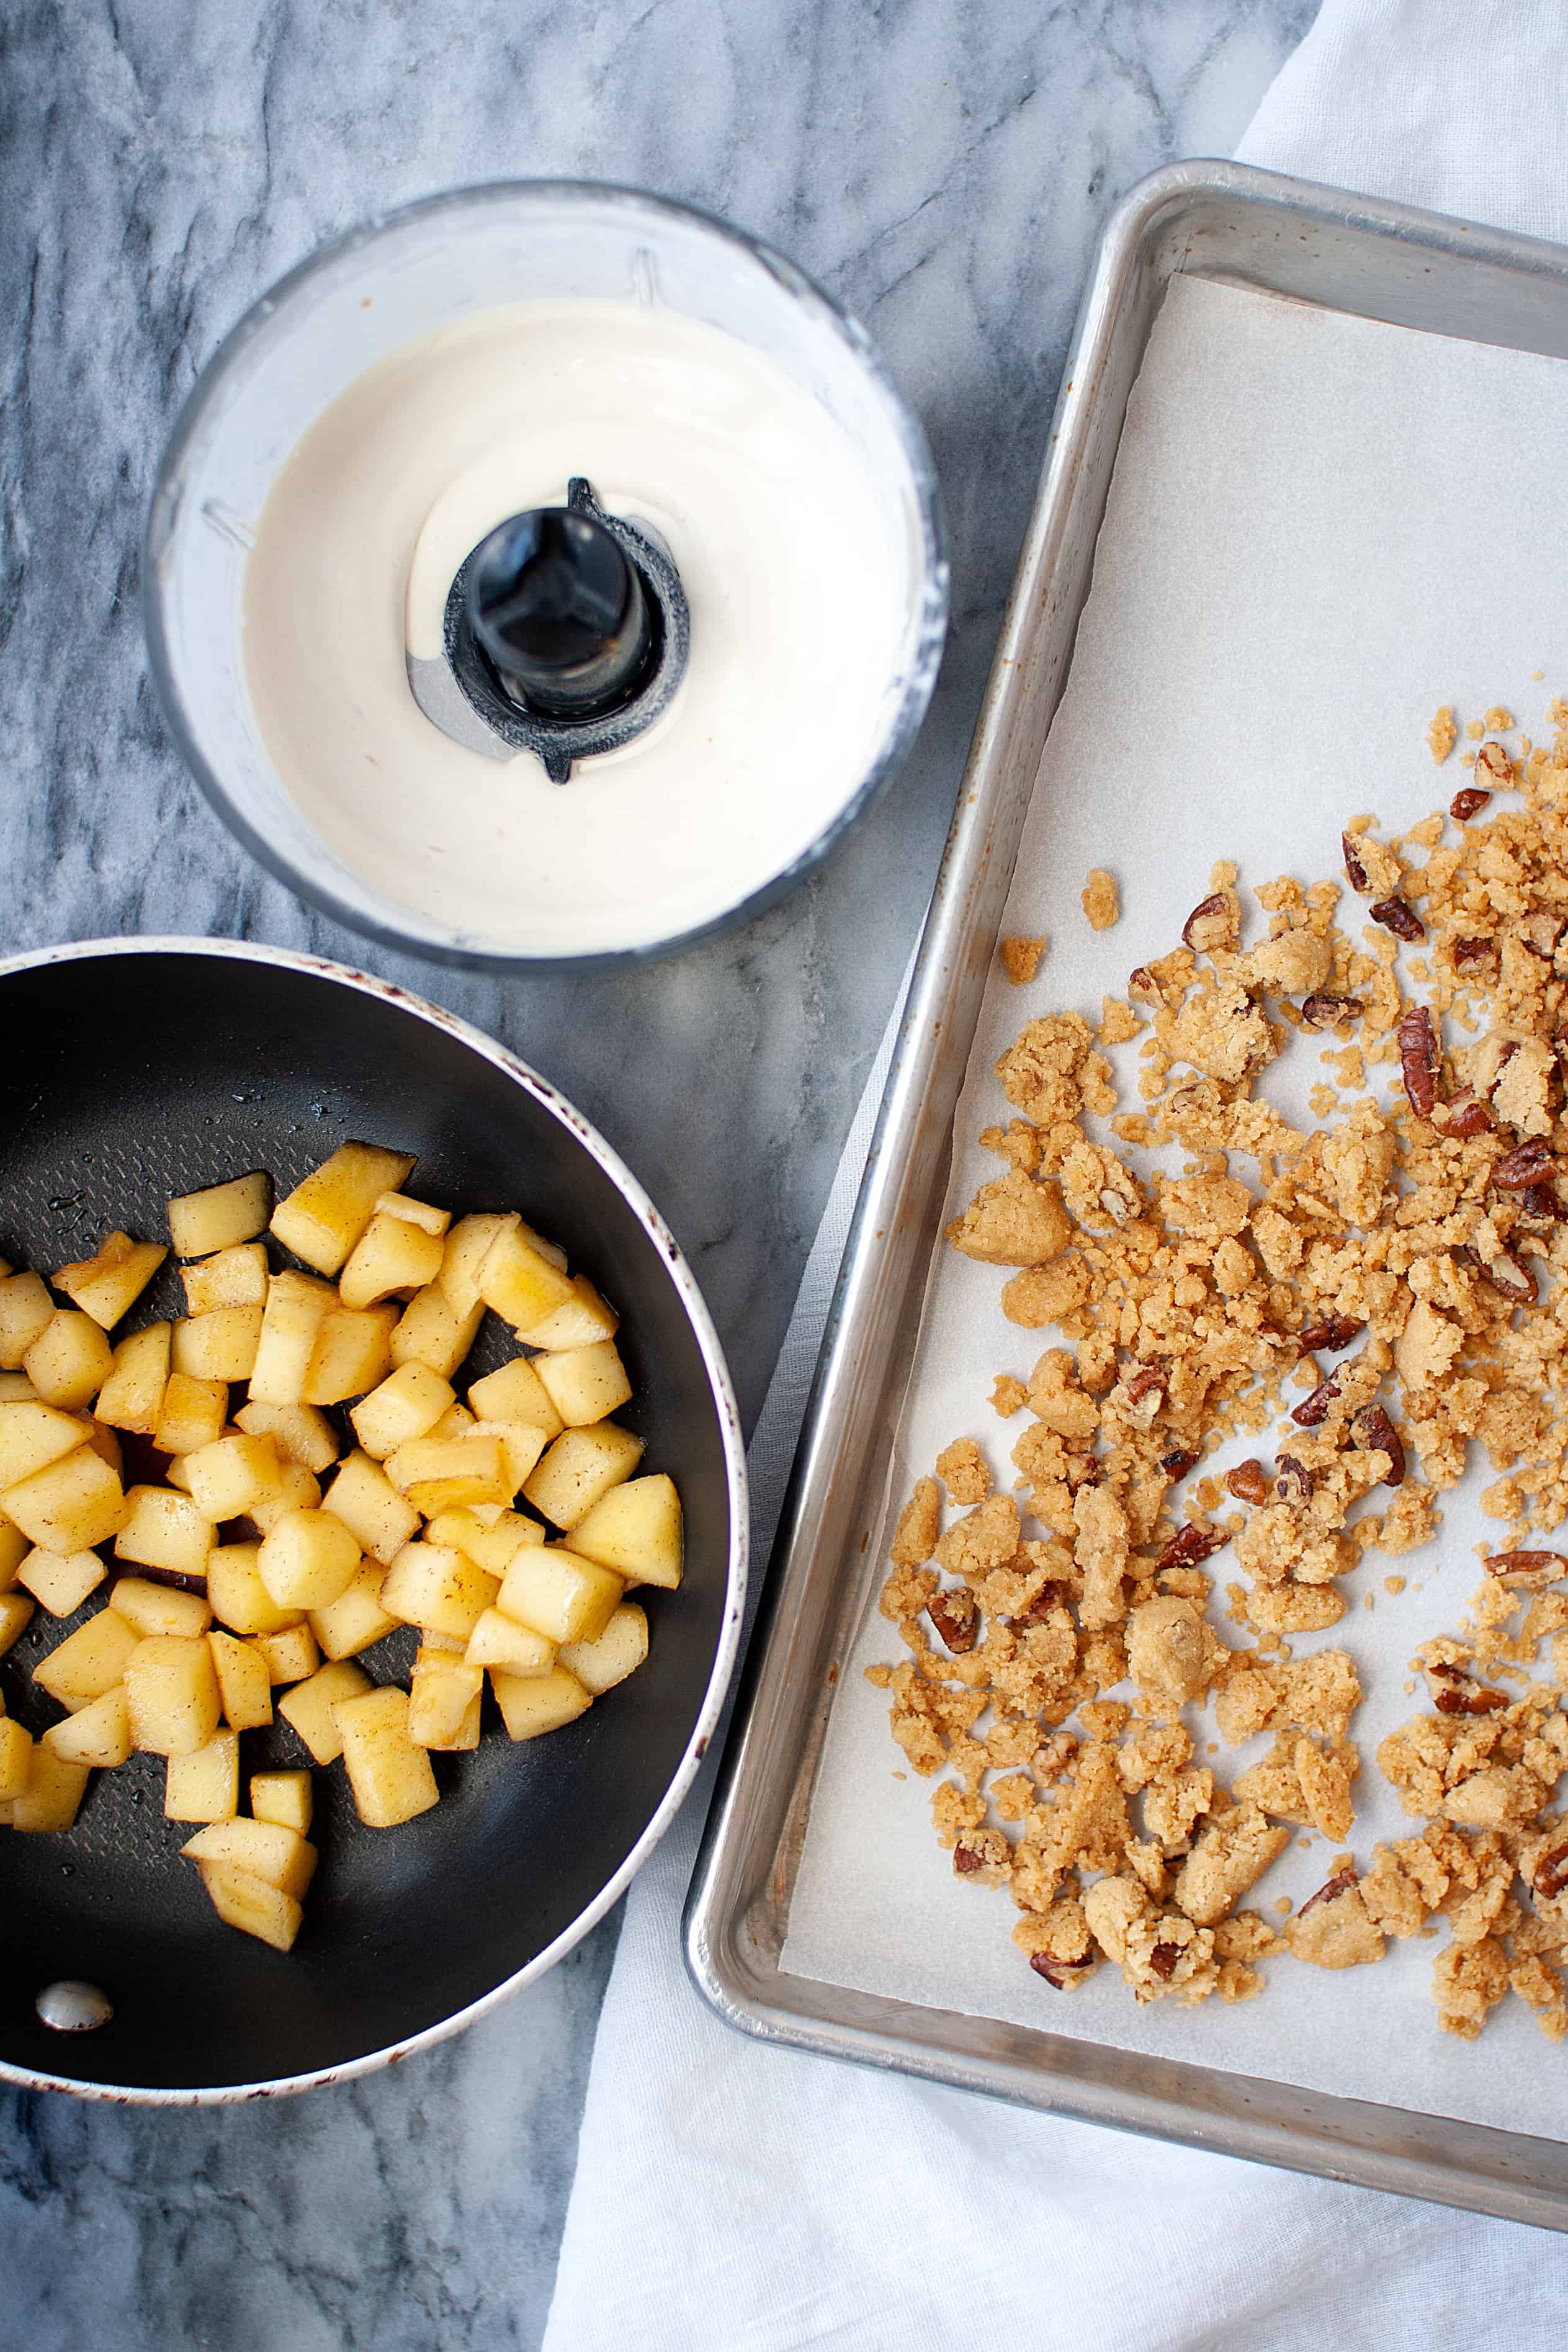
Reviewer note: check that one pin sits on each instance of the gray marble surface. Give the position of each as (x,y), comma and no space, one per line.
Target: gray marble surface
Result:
(940,165)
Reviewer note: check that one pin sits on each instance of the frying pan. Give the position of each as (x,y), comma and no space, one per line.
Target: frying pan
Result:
(138,1069)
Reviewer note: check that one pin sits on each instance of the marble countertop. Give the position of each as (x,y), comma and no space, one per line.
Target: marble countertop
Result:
(942,166)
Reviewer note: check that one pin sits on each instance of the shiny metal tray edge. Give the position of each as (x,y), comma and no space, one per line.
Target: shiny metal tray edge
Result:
(1316,245)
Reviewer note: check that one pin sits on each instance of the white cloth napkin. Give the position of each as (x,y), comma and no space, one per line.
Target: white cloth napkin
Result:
(734,2198)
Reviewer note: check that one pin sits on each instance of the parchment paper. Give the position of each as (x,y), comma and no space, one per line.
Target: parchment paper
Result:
(1319,529)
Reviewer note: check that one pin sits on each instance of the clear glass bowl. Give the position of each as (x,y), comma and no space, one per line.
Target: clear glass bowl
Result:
(405,274)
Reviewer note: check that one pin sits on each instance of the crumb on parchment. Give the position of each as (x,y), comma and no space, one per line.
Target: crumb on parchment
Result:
(1022,958)
(1381,1294)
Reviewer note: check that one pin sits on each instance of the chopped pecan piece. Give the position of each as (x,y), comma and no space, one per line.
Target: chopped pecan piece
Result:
(1493,763)
(1163,1960)
(1292,1480)
(1375,1432)
(1320,1011)
(1463,1116)
(1551,1872)
(1329,1335)
(1469,952)
(1529,1568)
(1248,1482)
(1204,912)
(1178,1461)
(1056,1972)
(1396,916)
(1505,1273)
(1541,1201)
(1418,1058)
(1337,1885)
(1047,1599)
(1314,1408)
(1454,1701)
(1468,803)
(1190,1545)
(955,1618)
(1356,872)
(1143,985)
(966,1861)
(1526,1165)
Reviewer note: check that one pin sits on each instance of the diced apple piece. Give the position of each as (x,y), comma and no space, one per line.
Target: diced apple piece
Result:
(34,1435)
(429,1332)
(518,1282)
(521,1447)
(72,1506)
(150,1610)
(16,1615)
(584,1319)
(232,1475)
(581,1465)
(297,1307)
(61,1580)
(14,1550)
(356,1619)
(220,1217)
(499,1641)
(585,1384)
(390,1259)
(307,1708)
(321,1219)
(375,1514)
(619,1651)
(493,1545)
(285,1798)
(171,1690)
(296,1490)
(422,1214)
(96,1734)
(562,1596)
(88,1662)
(165,1530)
(464,1254)
(15,1388)
(203,1787)
(299,1433)
(308,1560)
(16,1758)
(456,1422)
(291,1655)
(70,1360)
(25,1311)
(221,1346)
(252,1906)
(435,1586)
(245,1685)
(444,1705)
(53,1795)
(408,1404)
(132,1396)
(635,1530)
(108,1284)
(436,1645)
(534,1704)
(239,1599)
(437,1474)
(276,1855)
(234,1277)
(351,1355)
(191,1414)
(389,1774)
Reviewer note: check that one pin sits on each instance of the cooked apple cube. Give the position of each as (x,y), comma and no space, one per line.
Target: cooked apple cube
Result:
(581,1465)
(493,1545)
(464,1254)
(307,1708)
(152,1609)
(583,1320)
(375,1514)
(221,1217)
(356,1619)
(521,1447)
(619,1651)
(239,1599)
(108,1286)
(435,1474)
(585,1384)
(15,1388)
(234,1277)
(290,1656)
(105,1443)
(53,1795)
(252,1906)
(245,1685)
(519,1281)
(321,1219)
(444,1705)
(70,1360)
(408,1404)
(192,1415)
(392,1259)
(34,1435)
(422,1214)
(299,1433)
(635,1530)
(96,1734)
(203,1787)
(428,1332)
(456,1422)
(269,1851)
(351,1355)
(132,1396)
(25,1311)
(436,1645)
(230,1475)
(562,1596)
(171,1690)
(296,1490)
(285,1798)
(389,1774)
(165,1530)
(499,1641)
(61,1580)
(16,1758)
(297,1307)
(532,1705)
(435,1586)
(88,1662)
(14,1550)
(221,1346)
(308,1560)
(71,1506)
(16,1615)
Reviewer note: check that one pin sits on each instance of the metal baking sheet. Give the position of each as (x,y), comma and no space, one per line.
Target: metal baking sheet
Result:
(1373,261)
